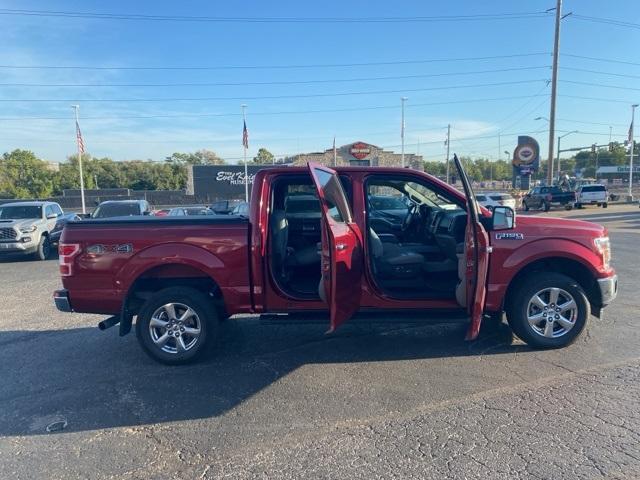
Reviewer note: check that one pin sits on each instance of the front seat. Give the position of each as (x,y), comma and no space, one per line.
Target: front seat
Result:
(392,260)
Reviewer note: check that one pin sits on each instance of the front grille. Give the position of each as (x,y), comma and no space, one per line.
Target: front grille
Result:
(8,234)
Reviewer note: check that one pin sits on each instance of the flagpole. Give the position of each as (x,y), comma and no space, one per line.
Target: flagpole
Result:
(633,112)
(402,100)
(245,145)
(84,209)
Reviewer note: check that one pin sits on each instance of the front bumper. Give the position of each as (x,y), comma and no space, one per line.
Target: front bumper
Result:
(18,246)
(61,299)
(608,289)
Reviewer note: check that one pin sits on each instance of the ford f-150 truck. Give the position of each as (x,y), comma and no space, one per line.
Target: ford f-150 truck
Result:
(181,276)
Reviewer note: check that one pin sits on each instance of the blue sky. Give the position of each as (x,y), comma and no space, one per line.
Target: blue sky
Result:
(491,97)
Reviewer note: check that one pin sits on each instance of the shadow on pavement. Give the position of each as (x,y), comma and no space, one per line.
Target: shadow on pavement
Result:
(98,380)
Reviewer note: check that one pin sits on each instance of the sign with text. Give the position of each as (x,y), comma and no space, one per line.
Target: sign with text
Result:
(221,182)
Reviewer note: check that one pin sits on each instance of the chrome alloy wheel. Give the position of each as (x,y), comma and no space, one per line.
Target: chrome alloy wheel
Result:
(552,312)
(175,328)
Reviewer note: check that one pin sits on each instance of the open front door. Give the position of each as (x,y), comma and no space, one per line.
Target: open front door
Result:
(341,248)
(476,256)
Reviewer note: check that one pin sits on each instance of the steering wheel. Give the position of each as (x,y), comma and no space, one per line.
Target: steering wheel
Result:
(408,219)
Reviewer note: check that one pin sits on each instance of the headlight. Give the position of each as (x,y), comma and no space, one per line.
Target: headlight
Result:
(30,229)
(603,247)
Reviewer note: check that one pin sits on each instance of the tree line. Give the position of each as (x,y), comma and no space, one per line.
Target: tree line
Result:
(24,175)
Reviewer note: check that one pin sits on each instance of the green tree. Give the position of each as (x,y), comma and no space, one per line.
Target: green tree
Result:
(23,175)
(201,157)
(263,157)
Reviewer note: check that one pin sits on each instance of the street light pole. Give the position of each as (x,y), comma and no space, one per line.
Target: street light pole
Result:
(633,113)
(402,100)
(560,137)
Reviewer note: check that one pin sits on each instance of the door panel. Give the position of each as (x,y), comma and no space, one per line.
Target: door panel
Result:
(476,257)
(341,262)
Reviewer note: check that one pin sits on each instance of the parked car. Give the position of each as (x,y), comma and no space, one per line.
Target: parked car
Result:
(494,199)
(190,211)
(594,194)
(182,276)
(543,197)
(224,207)
(241,209)
(162,212)
(32,227)
(121,208)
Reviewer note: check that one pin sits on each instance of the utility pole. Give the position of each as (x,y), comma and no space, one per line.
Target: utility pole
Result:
(402,100)
(80,150)
(610,129)
(448,142)
(633,113)
(245,145)
(554,84)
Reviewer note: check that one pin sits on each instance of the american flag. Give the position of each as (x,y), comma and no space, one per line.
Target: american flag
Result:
(79,138)
(245,135)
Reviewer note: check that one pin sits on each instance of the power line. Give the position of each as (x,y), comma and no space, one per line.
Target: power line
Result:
(592,123)
(186,18)
(271,97)
(597,99)
(609,21)
(284,82)
(274,67)
(600,72)
(592,84)
(600,59)
(289,112)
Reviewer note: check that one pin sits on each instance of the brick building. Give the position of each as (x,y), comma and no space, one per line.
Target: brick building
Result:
(359,154)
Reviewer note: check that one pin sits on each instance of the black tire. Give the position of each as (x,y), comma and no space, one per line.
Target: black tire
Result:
(44,248)
(525,291)
(545,206)
(605,205)
(579,205)
(525,206)
(205,314)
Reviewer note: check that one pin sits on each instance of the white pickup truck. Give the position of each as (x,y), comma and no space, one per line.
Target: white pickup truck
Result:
(594,194)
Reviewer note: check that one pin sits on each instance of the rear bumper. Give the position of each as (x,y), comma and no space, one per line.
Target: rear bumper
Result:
(61,299)
(608,289)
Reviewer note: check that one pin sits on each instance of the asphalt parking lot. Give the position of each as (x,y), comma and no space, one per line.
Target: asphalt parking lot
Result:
(285,401)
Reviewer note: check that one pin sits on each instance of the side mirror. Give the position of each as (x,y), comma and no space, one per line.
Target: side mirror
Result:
(503,218)
(52,215)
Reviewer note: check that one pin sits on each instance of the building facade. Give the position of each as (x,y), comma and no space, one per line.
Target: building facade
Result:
(359,154)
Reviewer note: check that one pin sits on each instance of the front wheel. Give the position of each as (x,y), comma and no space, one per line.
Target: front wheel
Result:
(177,325)
(548,310)
(44,248)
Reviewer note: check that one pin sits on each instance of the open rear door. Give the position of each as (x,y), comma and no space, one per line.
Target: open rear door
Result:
(341,248)
(476,256)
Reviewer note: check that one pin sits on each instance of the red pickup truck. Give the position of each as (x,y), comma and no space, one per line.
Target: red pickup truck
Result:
(315,240)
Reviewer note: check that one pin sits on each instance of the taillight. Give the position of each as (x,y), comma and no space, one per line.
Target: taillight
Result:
(66,252)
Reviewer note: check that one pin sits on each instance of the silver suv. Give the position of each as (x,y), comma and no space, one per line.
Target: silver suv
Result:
(31,227)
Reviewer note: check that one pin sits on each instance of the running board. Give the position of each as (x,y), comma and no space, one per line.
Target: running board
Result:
(374,316)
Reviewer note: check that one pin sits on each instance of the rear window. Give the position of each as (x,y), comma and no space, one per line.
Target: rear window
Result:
(302,205)
(116,210)
(500,197)
(594,188)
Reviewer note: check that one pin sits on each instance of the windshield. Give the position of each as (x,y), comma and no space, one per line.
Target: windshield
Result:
(107,210)
(388,203)
(18,212)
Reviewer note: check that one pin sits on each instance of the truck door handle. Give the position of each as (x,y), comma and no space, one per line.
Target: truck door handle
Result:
(341,246)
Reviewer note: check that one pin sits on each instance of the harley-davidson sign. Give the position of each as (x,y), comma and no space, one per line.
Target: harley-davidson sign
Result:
(360,150)
(526,157)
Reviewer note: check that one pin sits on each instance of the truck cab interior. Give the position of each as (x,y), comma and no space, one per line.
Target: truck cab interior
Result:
(414,235)
(416,239)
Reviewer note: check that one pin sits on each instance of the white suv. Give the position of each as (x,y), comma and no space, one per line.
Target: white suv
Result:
(594,194)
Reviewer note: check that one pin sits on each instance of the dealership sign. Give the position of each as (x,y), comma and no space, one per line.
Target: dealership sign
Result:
(360,150)
(233,178)
(526,156)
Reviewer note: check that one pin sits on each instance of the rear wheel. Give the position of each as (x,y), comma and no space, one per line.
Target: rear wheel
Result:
(525,206)
(546,206)
(605,205)
(548,310)
(177,325)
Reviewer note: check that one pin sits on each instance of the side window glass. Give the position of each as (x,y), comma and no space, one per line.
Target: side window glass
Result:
(57,209)
(48,211)
(334,196)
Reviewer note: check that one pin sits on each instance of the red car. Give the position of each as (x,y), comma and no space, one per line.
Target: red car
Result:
(312,243)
